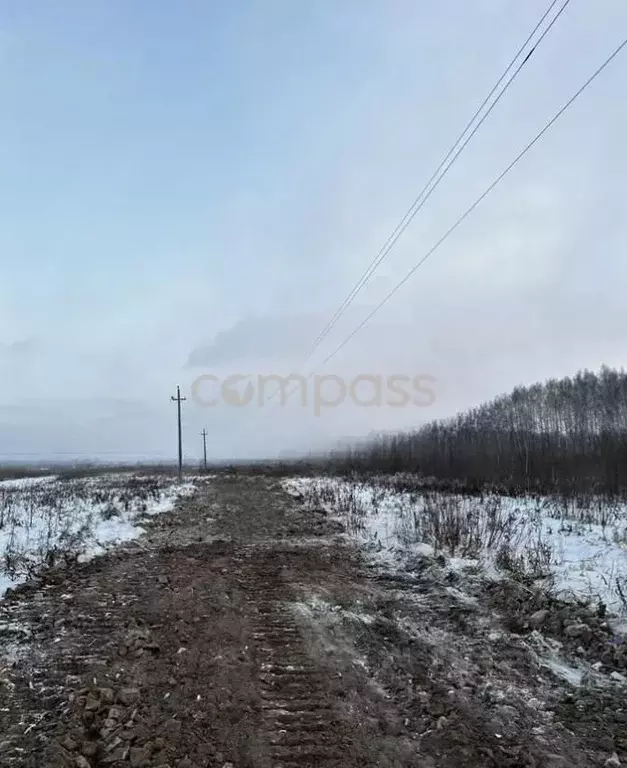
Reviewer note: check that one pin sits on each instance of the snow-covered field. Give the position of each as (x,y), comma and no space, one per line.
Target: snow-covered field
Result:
(45,521)
(580,548)
(24,482)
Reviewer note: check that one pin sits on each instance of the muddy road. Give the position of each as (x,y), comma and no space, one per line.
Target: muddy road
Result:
(245,630)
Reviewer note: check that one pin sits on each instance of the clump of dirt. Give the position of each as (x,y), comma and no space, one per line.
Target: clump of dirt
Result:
(584,632)
(599,714)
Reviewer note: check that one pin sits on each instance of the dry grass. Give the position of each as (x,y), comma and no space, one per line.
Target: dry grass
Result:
(52,522)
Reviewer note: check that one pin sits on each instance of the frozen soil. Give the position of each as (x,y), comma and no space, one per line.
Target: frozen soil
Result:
(244,629)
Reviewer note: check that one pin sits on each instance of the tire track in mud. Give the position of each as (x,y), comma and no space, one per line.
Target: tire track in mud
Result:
(300,726)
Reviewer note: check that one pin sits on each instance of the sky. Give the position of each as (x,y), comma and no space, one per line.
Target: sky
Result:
(191,189)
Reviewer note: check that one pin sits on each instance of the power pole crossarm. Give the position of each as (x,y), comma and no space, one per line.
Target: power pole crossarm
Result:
(178,400)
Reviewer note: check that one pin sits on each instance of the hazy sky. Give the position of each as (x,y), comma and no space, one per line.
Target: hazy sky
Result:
(192,188)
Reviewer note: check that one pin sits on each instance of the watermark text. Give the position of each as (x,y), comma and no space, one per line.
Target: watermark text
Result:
(318,392)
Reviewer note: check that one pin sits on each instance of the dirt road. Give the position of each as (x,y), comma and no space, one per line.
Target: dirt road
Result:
(244,630)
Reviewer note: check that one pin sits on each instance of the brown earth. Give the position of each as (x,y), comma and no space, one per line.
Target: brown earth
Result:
(241,630)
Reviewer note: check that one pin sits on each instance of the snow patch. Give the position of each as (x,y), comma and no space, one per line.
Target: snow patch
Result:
(25,482)
(48,517)
(588,559)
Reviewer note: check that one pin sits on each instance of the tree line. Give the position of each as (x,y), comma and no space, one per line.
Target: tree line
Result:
(565,435)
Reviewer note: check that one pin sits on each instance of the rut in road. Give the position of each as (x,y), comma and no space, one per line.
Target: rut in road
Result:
(299,723)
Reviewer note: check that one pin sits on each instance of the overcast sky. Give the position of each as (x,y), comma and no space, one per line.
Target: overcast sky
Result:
(192,188)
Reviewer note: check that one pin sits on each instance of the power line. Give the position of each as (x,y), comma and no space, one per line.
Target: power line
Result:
(442,169)
(489,189)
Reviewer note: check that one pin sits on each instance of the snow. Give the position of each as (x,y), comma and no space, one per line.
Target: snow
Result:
(374,521)
(48,517)
(25,482)
(422,548)
(588,560)
(565,671)
(547,652)
(6,583)
(316,606)
(589,564)
(168,500)
(109,531)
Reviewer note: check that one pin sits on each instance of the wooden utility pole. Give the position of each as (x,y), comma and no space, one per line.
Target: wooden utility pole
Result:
(178,400)
(204,446)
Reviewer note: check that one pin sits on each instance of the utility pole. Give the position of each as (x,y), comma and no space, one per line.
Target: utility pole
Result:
(204,446)
(178,400)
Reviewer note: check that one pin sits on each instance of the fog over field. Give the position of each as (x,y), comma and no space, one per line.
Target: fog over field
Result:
(196,193)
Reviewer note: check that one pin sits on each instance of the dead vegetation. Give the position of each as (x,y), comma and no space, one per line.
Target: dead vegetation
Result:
(47,521)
